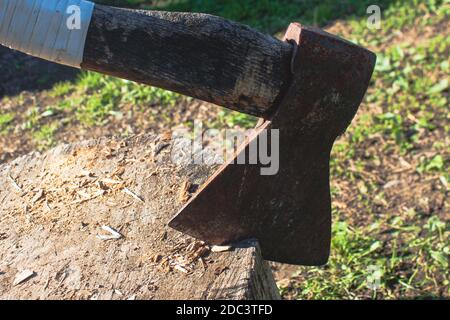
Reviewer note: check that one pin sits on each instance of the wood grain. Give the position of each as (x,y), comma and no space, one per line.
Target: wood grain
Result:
(195,54)
(45,230)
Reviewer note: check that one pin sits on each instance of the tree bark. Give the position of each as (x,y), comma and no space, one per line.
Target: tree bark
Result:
(198,55)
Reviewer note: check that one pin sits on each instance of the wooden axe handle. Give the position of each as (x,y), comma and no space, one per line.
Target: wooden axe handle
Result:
(198,55)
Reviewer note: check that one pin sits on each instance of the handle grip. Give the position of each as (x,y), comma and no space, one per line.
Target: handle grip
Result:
(198,55)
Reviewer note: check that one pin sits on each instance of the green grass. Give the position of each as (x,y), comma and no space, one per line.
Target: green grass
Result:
(95,98)
(5,121)
(358,253)
(44,136)
(61,89)
(410,87)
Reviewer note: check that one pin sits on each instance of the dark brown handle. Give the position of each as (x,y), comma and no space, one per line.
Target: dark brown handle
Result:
(198,55)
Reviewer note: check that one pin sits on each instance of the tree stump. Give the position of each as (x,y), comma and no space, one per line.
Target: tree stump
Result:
(89,221)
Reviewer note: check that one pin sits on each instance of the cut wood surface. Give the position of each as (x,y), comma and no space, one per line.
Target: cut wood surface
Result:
(89,221)
(199,55)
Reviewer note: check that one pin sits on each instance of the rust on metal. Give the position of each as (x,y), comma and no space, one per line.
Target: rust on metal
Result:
(290,212)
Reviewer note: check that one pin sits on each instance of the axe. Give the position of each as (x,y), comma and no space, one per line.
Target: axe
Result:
(308,87)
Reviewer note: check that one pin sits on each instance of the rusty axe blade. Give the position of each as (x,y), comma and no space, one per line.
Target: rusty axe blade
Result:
(290,212)
(309,94)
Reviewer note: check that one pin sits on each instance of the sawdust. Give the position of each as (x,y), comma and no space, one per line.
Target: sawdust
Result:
(184,194)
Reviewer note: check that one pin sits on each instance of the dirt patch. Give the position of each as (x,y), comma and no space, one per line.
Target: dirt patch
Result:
(20,72)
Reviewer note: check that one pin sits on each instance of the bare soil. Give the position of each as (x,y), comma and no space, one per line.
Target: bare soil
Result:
(20,72)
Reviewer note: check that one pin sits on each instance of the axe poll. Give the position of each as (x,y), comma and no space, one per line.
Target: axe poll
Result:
(308,86)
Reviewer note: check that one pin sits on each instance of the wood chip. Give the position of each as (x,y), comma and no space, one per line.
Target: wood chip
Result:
(118,172)
(153,173)
(23,276)
(111,181)
(221,248)
(166,136)
(184,194)
(39,195)
(193,246)
(15,184)
(112,236)
(156,258)
(47,206)
(219,270)
(85,173)
(107,152)
(391,184)
(83,194)
(88,197)
(126,205)
(160,147)
(204,264)
(200,253)
(443,181)
(132,194)
(181,269)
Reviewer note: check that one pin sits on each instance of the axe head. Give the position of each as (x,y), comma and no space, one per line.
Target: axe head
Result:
(289,212)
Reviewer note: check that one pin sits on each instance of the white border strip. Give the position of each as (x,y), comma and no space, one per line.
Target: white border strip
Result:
(41,28)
